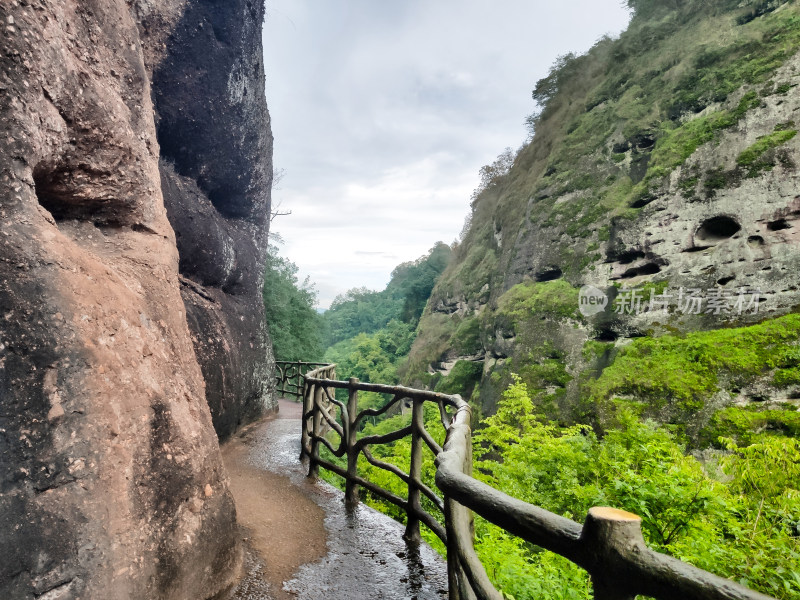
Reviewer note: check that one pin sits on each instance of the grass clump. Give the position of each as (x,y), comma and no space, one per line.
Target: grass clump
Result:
(747,425)
(554,298)
(467,338)
(685,371)
(678,144)
(780,136)
(462,379)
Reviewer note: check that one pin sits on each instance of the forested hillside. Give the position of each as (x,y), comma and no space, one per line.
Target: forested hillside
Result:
(368,333)
(624,301)
(663,173)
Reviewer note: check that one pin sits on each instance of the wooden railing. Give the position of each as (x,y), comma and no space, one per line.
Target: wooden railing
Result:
(609,545)
(289,376)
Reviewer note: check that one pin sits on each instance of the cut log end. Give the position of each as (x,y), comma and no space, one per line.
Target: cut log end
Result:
(606,513)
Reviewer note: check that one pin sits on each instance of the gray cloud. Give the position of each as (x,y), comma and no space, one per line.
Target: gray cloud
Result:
(383,112)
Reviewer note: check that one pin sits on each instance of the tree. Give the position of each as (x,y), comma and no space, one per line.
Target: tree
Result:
(294,324)
(360,310)
(492,174)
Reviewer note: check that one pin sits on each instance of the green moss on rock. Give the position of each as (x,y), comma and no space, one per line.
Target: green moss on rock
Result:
(780,136)
(552,298)
(686,371)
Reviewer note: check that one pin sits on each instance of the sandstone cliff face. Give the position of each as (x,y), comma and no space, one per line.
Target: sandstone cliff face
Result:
(216,172)
(111,483)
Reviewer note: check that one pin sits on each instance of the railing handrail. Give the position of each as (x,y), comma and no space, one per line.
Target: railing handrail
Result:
(289,376)
(609,545)
(300,362)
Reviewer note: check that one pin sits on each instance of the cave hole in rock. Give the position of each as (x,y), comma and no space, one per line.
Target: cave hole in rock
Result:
(606,334)
(717,229)
(697,248)
(621,147)
(643,140)
(628,256)
(779,225)
(549,274)
(726,280)
(650,268)
(642,201)
(755,240)
(47,194)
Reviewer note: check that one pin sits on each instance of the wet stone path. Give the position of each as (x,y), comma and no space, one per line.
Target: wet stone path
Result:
(302,544)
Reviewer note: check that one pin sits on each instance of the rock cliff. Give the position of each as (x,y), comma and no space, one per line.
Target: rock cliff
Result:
(111,482)
(663,172)
(216,172)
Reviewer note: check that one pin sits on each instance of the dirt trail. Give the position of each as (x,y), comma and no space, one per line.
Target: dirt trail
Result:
(280,519)
(303,544)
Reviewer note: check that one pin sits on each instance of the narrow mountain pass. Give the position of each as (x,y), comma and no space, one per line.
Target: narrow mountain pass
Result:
(302,542)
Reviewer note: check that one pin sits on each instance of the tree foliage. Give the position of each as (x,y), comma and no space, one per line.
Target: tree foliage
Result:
(737,515)
(294,324)
(360,310)
(492,173)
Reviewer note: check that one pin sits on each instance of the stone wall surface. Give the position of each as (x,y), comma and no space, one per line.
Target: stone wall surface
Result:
(111,482)
(216,170)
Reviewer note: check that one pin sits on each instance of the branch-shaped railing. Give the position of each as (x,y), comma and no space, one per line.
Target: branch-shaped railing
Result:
(609,545)
(289,376)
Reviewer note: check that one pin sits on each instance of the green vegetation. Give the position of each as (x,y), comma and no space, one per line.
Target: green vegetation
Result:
(363,311)
(681,372)
(747,425)
(294,325)
(462,379)
(753,158)
(737,516)
(370,333)
(555,298)
(574,422)
(679,143)
(765,142)
(372,358)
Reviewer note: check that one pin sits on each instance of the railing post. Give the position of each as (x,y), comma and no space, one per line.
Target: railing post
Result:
(296,378)
(608,534)
(351,488)
(308,395)
(453,566)
(316,430)
(415,473)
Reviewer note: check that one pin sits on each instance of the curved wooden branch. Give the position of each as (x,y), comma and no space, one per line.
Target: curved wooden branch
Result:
(435,448)
(376,412)
(394,469)
(333,400)
(443,416)
(473,568)
(330,420)
(337,452)
(386,438)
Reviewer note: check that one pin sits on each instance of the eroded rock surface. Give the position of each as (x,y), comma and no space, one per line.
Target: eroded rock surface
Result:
(216,171)
(111,483)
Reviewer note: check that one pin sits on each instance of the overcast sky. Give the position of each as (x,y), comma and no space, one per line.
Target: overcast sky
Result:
(383,112)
